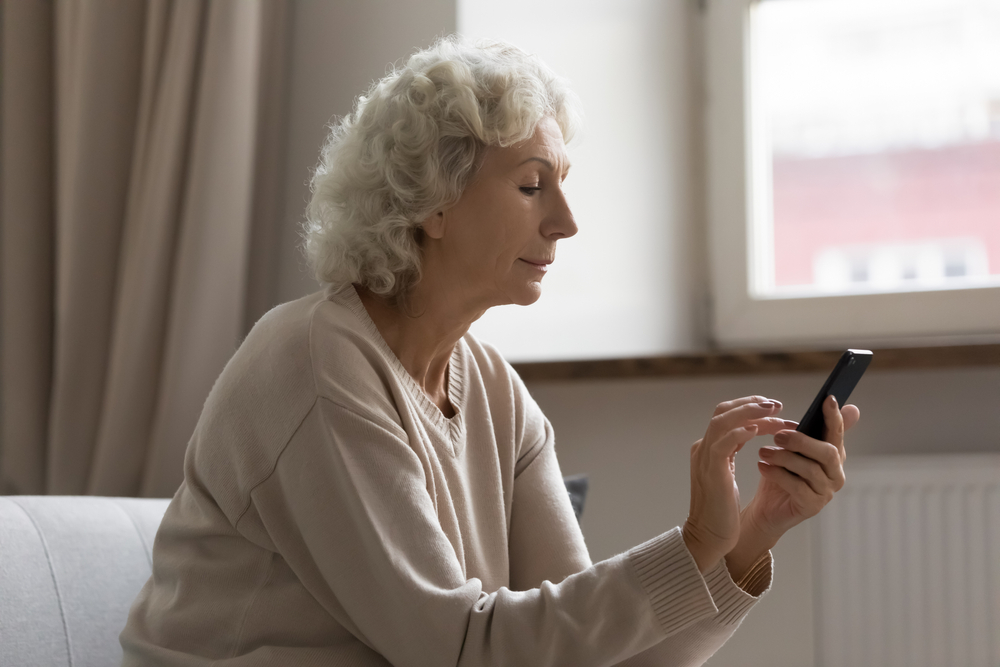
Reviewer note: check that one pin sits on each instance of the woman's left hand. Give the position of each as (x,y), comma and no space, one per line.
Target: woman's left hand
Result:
(799,476)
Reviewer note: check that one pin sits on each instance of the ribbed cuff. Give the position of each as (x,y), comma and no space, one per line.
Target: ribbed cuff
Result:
(667,571)
(733,601)
(757,579)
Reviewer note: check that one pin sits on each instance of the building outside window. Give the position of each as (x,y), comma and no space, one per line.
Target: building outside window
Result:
(865,136)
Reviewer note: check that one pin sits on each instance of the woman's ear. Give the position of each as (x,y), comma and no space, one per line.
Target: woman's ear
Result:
(434,225)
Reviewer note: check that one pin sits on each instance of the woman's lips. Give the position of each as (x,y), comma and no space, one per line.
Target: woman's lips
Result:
(541,265)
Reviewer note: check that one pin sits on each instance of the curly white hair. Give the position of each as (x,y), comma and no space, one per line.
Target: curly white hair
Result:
(409,149)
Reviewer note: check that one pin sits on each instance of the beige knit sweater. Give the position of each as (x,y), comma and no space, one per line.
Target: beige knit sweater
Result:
(331,515)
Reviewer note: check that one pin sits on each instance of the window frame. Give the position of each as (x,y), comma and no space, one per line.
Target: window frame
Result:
(740,320)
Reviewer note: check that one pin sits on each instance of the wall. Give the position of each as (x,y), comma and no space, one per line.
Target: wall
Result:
(633,437)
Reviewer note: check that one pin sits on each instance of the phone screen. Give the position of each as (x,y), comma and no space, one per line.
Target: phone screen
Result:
(841,382)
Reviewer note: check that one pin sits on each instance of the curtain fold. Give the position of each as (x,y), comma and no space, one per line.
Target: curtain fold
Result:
(153,213)
(205,317)
(27,242)
(98,56)
(158,144)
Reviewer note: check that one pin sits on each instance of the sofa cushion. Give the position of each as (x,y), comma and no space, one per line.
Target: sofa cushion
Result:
(69,570)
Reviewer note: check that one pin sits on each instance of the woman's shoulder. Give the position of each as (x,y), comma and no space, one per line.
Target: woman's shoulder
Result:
(351,363)
(297,353)
(274,356)
(506,392)
(319,330)
(490,365)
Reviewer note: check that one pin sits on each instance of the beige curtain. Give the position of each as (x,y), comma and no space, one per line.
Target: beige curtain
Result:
(140,173)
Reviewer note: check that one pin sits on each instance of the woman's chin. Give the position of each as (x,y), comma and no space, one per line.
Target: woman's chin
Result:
(528,294)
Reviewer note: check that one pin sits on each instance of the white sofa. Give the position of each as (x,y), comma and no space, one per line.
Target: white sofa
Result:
(70,567)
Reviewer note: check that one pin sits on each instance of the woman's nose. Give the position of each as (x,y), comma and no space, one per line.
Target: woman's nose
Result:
(559,223)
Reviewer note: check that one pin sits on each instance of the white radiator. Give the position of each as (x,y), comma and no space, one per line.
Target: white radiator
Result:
(908,564)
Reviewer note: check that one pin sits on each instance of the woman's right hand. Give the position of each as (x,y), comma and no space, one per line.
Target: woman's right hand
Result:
(713,524)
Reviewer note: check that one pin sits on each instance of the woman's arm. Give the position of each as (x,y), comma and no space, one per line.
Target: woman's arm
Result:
(348,508)
(546,544)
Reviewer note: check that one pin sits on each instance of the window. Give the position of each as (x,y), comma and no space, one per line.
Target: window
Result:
(854,170)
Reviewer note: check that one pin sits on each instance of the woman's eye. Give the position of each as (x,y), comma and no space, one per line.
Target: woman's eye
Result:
(530,190)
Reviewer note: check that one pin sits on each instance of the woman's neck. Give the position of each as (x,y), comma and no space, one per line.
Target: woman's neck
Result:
(422,335)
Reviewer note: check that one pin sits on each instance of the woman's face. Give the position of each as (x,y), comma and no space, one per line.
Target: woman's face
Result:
(496,243)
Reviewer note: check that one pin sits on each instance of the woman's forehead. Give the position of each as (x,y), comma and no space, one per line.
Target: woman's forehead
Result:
(546,147)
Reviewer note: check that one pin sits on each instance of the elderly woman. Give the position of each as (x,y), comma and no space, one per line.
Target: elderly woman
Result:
(369,484)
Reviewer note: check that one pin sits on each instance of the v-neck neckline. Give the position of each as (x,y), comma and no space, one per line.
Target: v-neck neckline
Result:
(452,427)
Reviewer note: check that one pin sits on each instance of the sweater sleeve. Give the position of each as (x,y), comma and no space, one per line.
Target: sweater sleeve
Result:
(696,614)
(347,507)
(699,641)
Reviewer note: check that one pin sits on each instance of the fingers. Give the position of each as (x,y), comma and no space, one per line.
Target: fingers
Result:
(733,441)
(729,405)
(797,488)
(838,421)
(851,416)
(807,469)
(739,416)
(771,425)
(802,474)
(834,431)
(721,448)
(825,454)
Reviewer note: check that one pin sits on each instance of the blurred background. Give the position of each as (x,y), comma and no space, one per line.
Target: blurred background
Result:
(883,122)
(155,160)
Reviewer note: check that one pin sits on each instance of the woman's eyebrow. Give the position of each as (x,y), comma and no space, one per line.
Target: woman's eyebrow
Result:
(545,162)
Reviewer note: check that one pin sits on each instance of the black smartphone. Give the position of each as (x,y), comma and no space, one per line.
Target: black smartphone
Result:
(840,383)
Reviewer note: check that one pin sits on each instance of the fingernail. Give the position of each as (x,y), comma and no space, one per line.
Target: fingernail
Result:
(781,437)
(833,399)
(767,404)
(766,452)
